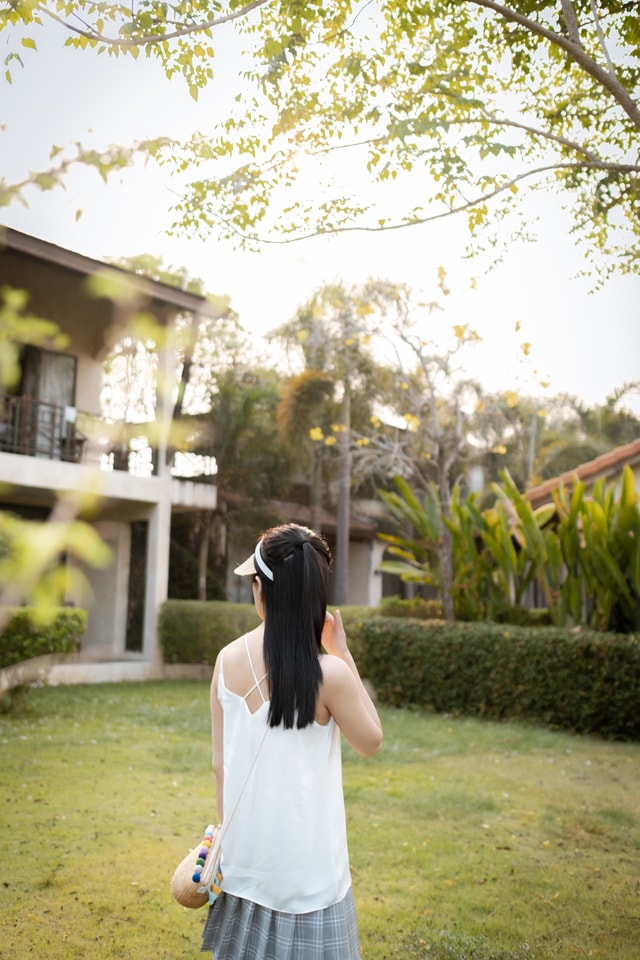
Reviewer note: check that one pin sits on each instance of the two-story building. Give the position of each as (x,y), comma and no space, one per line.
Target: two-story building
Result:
(52,440)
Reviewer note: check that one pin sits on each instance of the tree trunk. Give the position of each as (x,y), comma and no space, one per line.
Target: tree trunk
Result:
(316,489)
(341,569)
(445,551)
(203,553)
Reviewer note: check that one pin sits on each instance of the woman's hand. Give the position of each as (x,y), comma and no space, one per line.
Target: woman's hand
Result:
(334,639)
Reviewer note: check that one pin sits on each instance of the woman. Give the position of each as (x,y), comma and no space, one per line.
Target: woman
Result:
(278,705)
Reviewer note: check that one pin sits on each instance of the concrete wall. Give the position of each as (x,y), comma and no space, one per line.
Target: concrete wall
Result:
(365,582)
(107,607)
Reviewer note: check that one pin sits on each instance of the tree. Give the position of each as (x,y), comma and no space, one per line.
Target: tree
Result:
(302,420)
(585,432)
(253,466)
(463,104)
(433,402)
(333,333)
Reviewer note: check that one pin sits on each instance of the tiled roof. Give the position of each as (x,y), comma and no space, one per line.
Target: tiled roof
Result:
(360,528)
(608,465)
(38,249)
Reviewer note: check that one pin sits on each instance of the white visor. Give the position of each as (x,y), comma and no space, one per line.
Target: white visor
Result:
(255,560)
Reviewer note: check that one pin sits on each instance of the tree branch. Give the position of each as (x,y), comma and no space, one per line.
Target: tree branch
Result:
(571,21)
(91,34)
(575,51)
(484,118)
(600,32)
(546,135)
(417,221)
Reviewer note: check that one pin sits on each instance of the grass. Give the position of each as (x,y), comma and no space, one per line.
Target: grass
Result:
(469,840)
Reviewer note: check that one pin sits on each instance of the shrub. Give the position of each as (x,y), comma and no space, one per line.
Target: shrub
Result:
(194,632)
(527,617)
(28,634)
(353,617)
(191,631)
(581,680)
(417,608)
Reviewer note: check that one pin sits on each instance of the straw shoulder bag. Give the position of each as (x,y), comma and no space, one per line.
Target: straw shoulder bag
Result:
(198,877)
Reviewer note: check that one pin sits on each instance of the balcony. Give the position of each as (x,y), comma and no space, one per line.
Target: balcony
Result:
(50,431)
(33,428)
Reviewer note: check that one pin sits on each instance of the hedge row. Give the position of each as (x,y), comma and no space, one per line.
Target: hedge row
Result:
(194,632)
(579,680)
(583,680)
(27,634)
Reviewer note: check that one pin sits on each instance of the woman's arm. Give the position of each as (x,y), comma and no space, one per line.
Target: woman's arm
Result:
(217,740)
(345,695)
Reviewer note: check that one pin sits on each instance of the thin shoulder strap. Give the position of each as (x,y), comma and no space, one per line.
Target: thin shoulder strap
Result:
(256,685)
(212,860)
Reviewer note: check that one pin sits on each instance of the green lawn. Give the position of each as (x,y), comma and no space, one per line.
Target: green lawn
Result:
(469,840)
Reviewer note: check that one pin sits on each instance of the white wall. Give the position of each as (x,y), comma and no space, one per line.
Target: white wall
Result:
(107,621)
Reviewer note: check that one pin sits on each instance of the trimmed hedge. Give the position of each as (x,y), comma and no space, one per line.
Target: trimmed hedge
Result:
(191,631)
(579,680)
(416,608)
(28,635)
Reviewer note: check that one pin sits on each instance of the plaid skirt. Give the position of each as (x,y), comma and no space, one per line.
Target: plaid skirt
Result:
(237,929)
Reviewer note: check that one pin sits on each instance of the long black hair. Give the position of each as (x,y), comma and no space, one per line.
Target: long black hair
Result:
(295,605)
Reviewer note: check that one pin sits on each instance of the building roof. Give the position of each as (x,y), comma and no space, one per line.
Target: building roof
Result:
(360,528)
(607,465)
(59,256)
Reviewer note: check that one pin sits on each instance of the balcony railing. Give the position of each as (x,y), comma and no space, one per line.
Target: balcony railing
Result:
(51,431)
(34,428)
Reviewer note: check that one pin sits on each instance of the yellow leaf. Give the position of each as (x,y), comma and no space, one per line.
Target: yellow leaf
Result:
(511,398)
(460,331)
(499,448)
(526,348)
(29,42)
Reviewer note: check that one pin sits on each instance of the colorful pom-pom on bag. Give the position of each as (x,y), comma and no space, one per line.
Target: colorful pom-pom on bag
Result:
(198,878)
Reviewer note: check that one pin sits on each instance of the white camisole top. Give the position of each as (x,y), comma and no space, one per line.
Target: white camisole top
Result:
(285,846)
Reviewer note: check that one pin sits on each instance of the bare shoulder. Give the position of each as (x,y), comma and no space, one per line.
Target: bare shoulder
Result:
(236,649)
(335,671)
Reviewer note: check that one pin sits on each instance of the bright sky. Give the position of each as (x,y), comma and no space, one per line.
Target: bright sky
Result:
(582,343)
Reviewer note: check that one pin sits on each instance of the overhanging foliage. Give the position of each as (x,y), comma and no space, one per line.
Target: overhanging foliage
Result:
(444,107)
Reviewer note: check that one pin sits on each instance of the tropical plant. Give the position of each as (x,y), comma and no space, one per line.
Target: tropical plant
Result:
(582,551)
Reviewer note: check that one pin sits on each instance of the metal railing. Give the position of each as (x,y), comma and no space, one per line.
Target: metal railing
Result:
(35,428)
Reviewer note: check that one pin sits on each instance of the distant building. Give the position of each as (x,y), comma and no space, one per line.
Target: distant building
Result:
(44,450)
(608,466)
